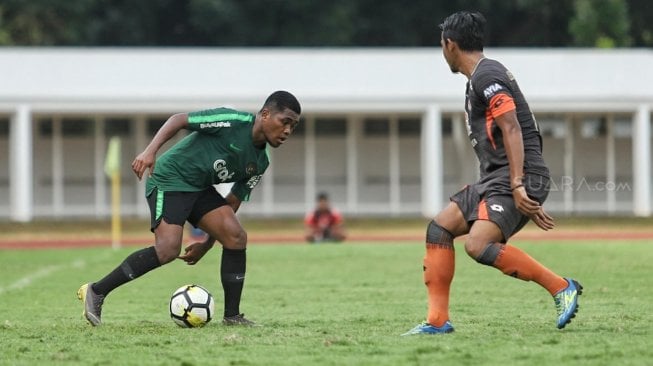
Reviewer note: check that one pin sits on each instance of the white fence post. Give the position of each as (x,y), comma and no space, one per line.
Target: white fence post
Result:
(20,165)
(432,161)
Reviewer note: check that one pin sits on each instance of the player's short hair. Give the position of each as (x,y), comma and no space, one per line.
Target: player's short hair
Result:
(322,196)
(465,28)
(280,100)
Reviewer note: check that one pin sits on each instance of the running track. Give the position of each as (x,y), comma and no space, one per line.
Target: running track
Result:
(569,235)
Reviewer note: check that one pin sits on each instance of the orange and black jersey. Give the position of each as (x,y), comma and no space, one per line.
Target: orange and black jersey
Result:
(491,92)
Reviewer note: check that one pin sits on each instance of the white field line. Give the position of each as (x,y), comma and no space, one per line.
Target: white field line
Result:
(25,281)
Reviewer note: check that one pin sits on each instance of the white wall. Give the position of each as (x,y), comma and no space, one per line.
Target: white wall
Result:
(353,84)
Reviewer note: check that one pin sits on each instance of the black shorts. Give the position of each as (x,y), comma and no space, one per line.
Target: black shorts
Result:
(498,206)
(178,207)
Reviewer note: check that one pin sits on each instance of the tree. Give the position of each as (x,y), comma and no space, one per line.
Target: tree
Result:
(43,22)
(317,23)
(600,23)
(641,22)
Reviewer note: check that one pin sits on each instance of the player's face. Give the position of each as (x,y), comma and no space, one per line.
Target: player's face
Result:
(448,55)
(279,126)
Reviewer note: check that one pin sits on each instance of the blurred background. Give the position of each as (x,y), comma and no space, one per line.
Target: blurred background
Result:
(382,129)
(312,23)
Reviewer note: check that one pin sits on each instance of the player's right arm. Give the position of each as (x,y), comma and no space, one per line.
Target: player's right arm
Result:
(147,158)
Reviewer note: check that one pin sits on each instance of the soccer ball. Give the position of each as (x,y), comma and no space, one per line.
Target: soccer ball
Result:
(191,306)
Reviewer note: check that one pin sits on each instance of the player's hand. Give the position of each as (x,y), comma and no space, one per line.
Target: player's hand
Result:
(143,161)
(543,220)
(532,209)
(194,252)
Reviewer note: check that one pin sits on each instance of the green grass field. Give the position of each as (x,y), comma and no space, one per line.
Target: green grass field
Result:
(331,305)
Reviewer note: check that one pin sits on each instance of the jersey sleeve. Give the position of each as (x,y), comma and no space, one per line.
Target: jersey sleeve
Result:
(243,188)
(495,91)
(212,120)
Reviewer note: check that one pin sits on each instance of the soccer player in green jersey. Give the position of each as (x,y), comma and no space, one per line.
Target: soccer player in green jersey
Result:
(226,146)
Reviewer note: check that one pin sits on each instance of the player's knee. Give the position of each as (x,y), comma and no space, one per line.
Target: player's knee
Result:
(483,252)
(490,253)
(236,240)
(436,234)
(167,253)
(474,247)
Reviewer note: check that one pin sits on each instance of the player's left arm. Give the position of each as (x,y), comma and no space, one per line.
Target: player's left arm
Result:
(195,251)
(505,117)
(241,191)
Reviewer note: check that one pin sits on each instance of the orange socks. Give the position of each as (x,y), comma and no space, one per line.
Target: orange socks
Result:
(514,262)
(439,265)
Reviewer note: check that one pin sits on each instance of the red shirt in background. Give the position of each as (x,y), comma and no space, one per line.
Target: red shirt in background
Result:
(323,219)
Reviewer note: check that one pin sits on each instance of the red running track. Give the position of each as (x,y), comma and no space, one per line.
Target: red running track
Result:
(61,243)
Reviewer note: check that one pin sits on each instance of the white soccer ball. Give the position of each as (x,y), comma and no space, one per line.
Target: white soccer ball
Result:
(191,306)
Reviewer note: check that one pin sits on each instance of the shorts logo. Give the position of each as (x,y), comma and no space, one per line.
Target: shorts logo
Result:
(220,167)
(496,207)
(491,90)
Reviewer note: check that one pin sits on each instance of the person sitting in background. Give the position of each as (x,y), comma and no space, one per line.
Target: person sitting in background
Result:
(325,223)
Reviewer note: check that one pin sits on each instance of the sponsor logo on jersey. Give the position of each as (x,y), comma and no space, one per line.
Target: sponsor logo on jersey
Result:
(220,167)
(250,169)
(491,90)
(234,147)
(253,181)
(215,124)
(510,76)
(499,101)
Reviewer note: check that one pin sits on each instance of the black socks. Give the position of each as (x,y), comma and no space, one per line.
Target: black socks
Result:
(135,265)
(232,274)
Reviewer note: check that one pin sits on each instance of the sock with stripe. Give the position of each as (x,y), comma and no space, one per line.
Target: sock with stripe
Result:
(232,274)
(135,265)
(439,266)
(514,262)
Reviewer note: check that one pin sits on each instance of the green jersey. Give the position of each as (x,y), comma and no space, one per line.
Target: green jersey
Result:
(219,150)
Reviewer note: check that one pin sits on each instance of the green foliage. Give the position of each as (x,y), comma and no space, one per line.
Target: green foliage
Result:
(641,22)
(242,23)
(43,22)
(331,305)
(600,23)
